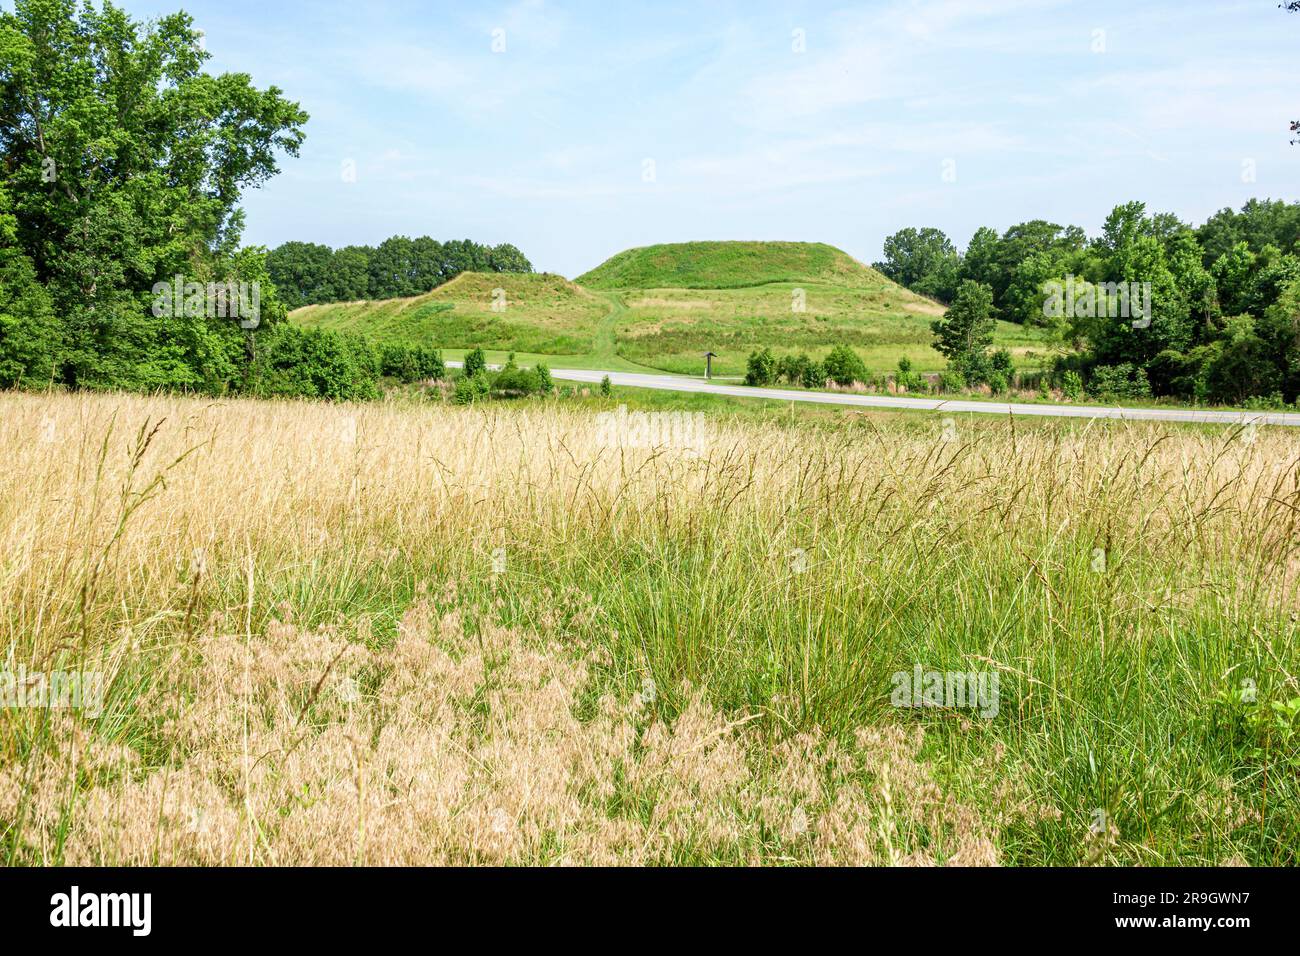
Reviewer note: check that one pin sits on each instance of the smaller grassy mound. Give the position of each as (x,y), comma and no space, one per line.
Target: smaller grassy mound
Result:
(537,312)
(726,265)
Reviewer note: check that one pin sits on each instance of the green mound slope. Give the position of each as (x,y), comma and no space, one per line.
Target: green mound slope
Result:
(536,312)
(726,265)
(731,298)
(661,307)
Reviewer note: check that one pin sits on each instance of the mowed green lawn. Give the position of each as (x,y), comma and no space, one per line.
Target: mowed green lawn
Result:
(660,308)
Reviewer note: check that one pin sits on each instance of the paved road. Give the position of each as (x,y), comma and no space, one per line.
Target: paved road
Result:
(680,383)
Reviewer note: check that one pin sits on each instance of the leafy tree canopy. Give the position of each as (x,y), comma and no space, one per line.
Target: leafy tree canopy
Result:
(124,163)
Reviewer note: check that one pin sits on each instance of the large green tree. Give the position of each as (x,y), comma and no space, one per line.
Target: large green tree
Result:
(923,260)
(350,274)
(303,272)
(1259,223)
(28,331)
(965,332)
(125,162)
(508,258)
(1134,254)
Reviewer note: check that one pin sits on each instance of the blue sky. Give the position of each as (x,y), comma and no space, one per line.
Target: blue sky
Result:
(951,113)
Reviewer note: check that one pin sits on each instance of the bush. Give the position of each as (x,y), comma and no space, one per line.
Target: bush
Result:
(793,369)
(1000,362)
(1264,403)
(974,369)
(760,369)
(545,384)
(315,363)
(789,368)
(407,364)
(475,363)
(606,387)
(1117,382)
(397,361)
(1001,371)
(951,382)
(471,388)
(1071,384)
(905,378)
(430,364)
(844,366)
(1245,366)
(1172,373)
(514,382)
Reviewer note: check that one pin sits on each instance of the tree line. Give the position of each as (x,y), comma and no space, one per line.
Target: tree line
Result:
(307,273)
(1152,305)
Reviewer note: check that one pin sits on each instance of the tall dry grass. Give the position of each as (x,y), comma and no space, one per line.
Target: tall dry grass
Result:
(314,652)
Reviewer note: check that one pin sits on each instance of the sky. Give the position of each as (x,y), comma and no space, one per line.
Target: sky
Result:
(576,130)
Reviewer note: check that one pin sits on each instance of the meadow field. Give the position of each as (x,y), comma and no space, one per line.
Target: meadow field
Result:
(406,632)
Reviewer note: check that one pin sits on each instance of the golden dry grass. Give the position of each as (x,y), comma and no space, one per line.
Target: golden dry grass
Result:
(311,659)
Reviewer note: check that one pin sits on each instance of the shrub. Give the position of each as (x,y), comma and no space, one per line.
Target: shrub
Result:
(951,381)
(760,369)
(410,363)
(513,380)
(1071,384)
(475,362)
(1172,373)
(315,363)
(974,368)
(844,366)
(1000,362)
(1261,403)
(606,387)
(796,370)
(907,379)
(789,367)
(402,363)
(1116,382)
(470,389)
(1246,365)
(429,362)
